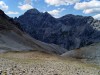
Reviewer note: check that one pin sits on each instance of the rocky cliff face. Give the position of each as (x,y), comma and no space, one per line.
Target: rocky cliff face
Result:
(69,31)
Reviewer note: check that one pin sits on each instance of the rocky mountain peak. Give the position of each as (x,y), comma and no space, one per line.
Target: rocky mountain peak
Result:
(48,15)
(32,11)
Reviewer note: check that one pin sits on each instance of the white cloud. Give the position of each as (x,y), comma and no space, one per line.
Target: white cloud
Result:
(56,12)
(92,10)
(61,2)
(12,13)
(97,16)
(87,5)
(3,5)
(25,7)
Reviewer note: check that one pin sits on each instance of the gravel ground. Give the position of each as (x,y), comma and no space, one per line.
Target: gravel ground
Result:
(43,64)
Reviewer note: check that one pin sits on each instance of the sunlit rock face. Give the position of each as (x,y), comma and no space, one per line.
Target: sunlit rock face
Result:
(69,31)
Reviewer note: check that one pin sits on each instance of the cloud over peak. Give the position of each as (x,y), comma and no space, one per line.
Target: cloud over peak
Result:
(26,5)
(91,10)
(97,16)
(56,12)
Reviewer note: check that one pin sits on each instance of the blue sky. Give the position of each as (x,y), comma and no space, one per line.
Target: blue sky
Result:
(56,8)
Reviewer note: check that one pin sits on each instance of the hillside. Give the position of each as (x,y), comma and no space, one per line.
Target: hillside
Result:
(90,54)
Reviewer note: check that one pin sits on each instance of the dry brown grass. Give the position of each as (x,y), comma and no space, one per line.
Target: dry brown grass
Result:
(39,63)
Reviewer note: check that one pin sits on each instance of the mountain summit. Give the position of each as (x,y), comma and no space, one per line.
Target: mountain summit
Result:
(32,11)
(69,31)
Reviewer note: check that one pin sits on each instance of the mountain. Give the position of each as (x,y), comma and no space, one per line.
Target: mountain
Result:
(13,39)
(89,53)
(69,31)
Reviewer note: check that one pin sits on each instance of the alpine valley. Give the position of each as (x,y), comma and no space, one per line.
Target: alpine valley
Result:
(36,43)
